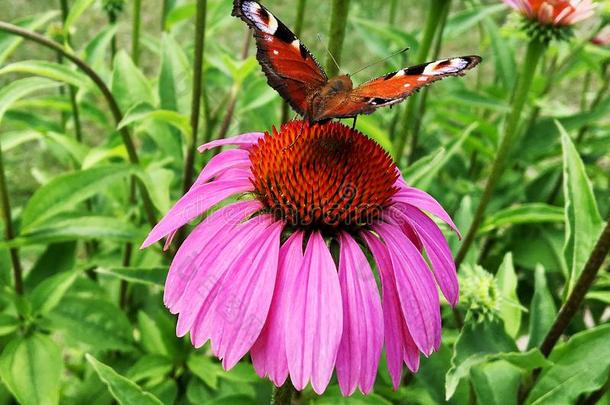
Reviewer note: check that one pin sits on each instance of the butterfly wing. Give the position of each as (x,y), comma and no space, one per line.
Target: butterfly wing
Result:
(289,66)
(394,87)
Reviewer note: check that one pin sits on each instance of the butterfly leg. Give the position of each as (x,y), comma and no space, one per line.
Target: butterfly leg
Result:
(354,123)
(296,138)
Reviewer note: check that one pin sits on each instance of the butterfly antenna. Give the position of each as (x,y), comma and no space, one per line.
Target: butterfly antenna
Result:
(295,139)
(380,60)
(332,57)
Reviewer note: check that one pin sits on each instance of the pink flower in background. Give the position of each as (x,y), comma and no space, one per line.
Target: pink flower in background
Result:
(281,270)
(554,12)
(603,37)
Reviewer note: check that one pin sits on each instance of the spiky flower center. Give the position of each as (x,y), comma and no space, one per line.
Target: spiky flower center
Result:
(323,176)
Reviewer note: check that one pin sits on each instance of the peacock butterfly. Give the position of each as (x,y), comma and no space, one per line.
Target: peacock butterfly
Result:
(294,72)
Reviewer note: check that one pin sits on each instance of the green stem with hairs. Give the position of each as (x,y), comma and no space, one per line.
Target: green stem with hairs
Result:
(282,395)
(106,93)
(338,24)
(418,119)
(135,32)
(434,14)
(535,50)
(9,233)
(197,90)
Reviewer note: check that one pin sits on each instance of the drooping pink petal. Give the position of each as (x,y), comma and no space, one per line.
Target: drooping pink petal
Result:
(242,305)
(234,158)
(244,141)
(362,338)
(399,345)
(437,250)
(416,288)
(316,321)
(425,202)
(198,243)
(269,351)
(210,268)
(198,199)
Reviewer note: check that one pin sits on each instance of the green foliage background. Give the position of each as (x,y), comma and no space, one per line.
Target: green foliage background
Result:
(90,326)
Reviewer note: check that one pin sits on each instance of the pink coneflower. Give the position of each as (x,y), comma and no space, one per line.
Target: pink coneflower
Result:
(603,37)
(281,270)
(554,12)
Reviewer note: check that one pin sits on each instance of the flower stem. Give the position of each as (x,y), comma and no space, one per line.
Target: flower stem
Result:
(282,395)
(78,132)
(438,42)
(434,15)
(106,93)
(569,309)
(534,53)
(135,33)
(9,233)
(338,23)
(197,90)
(298,29)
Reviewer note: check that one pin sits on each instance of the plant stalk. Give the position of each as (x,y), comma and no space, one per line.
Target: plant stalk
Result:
(338,24)
(135,33)
(9,232)
(434,14)
(282,395)
(197,90)
(535,50)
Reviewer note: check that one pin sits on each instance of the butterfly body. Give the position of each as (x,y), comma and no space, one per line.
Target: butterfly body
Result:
(296,75)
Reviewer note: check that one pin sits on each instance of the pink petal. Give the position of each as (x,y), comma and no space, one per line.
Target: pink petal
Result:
(224,161)
(200,241)
(210,268)
(437,250)
(416,288)
(425,202)
(362,339)
(399,345)
(269,351)
(242,305)
(244,141)
(198,199)
(316,321)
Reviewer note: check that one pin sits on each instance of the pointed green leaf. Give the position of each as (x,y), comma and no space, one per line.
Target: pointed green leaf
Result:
(21,88)
(582,218)
(8,324)
(143,111)
(154,276)
(50,70)
(531,213)
(31,368)
(10,42)
(496,383)
(205,368)
(76,10)
(129,85)
(542,309)
(125,391)
(510,307)
(49,293)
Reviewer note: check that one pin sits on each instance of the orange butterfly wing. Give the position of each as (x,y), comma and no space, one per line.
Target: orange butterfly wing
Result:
(289,66)
(393,87)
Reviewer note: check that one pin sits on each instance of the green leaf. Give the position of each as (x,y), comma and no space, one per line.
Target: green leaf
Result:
(95,51)
(149,276)
(21,88)
(153,338)
(50,70)
(476,340)
(8,324)
(542,309)
(583,221)
(49,293)
(76,10)
(496,383)
(175,80)
(125,391)
(205,368)
(31,368)
(510,307)
(151,366)
(144,111)
(129,85)
(581,365)
(368,125)
(63,230)
(158,182)
(531,213)
(100,324)
(503,55)
(66,190)
(467,20)
(10,42)
(10,140)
